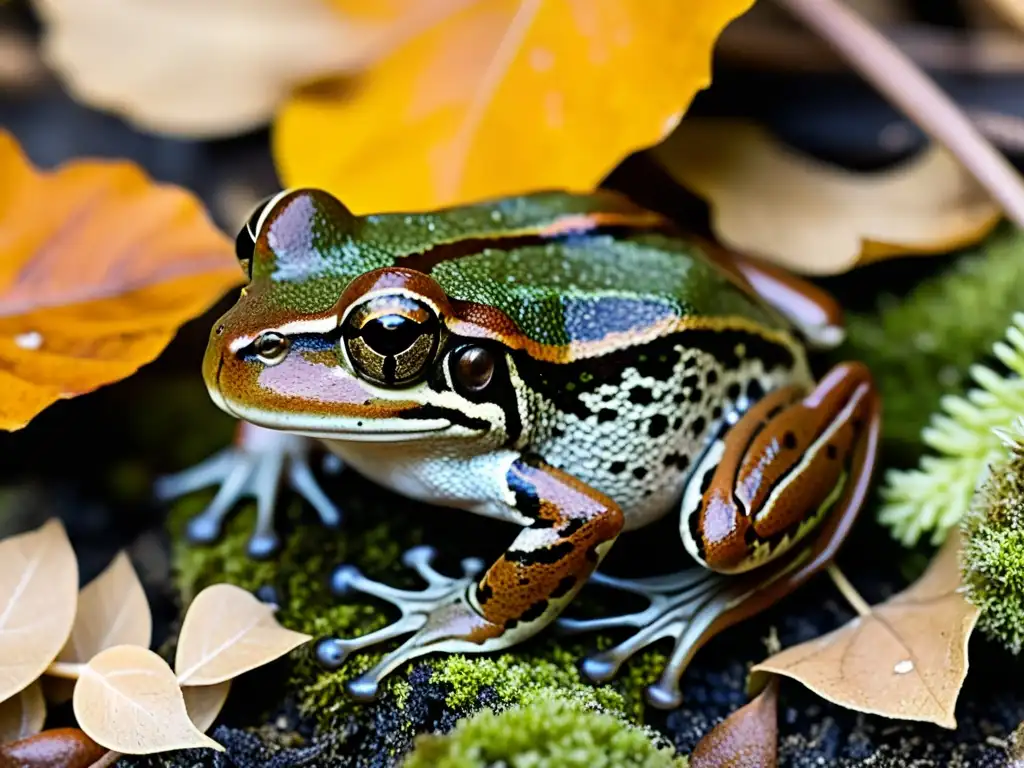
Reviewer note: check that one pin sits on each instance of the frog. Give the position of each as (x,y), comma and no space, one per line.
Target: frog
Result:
(572,364)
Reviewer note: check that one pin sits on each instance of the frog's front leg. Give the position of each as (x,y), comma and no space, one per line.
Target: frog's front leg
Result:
(254,466)
(789,462)
(569,529)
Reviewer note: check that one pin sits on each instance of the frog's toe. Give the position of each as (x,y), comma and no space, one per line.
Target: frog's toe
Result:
(203,530)
(263,544)
(344,580)
(363,690)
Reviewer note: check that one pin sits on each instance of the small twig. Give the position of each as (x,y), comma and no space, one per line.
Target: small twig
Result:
(65,669)
(913,92)
(107,760)
(858,603)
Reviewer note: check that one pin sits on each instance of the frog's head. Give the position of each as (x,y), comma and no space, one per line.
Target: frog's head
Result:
(331,339)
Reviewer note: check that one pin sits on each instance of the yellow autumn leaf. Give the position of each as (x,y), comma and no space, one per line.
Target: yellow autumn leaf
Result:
(500,97)
(128,700)
(226,633)
(23,714)
(204,702)
(810,217)
(98,268)
(196,67)
(38,596)
(905,658)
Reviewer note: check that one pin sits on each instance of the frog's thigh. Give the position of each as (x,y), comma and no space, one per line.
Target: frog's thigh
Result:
(777,472)
(572,528)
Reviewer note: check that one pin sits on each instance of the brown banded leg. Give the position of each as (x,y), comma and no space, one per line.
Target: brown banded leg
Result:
(693,606)
(571,529)
(256,465)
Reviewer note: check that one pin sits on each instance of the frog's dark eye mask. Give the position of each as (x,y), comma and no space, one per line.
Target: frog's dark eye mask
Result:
(245,241)
(391,339)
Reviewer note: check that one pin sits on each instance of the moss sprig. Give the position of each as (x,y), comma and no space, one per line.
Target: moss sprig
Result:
(992,555)
(548,732)
(965,440)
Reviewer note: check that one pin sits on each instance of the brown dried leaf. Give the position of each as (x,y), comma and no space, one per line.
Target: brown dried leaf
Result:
(112,610)
(811,217)
(128,700)
(906,659)
(748,738)
(204,702)
(228,632)
(23,714)
(38,596)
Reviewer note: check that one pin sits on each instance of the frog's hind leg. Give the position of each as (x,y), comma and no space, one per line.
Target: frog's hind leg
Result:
(253,467)
(692,606)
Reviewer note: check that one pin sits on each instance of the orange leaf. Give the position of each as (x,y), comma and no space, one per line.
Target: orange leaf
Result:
(98,268)
(905,659)
(500,97)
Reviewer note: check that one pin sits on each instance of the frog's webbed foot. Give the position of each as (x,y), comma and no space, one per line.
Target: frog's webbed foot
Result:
(255,467)
(436,613)
(689,607)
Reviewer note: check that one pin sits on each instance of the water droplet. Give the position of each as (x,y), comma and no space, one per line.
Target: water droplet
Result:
(903,667)
(430,226)
(495,215)
(31,340)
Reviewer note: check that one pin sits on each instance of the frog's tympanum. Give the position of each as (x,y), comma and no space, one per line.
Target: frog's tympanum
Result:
(565,363)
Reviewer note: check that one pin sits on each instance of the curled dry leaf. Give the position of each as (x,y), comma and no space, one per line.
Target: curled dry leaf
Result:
(499,97)
(814,218)
(94,283)
(38,596)
(56,748)
(226,633)
(112,610)
(748,738)
(128,700)
(195,67)
(905,659)
(204,702)
(23,714)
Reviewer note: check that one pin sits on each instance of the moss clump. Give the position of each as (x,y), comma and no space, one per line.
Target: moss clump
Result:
(935,496)
(921,347)
(546,733)
(299,576)
(993,550)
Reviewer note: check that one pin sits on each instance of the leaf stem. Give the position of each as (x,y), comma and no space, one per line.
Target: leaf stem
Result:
(897,77)
(65,669)
(848,591)
(107,760)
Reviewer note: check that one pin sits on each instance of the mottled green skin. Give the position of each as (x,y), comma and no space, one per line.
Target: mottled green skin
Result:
(557,288)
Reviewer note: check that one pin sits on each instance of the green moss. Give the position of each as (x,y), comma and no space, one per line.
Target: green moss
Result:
(300,575)
(993,550)
(921,347)
(546,733)
(935,496)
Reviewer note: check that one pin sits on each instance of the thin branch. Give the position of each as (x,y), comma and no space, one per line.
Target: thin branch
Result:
(913,92)
(850,592)
(107,760)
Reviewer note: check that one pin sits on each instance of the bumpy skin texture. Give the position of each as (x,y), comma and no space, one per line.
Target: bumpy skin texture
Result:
(618,360)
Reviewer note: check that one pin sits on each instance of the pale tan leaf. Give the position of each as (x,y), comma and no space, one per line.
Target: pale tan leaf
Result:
(38,595)
(204,702)
(907,659)
(23,714)
(112,610)
(228,632)
(770,201)
(128,700)
(197,67)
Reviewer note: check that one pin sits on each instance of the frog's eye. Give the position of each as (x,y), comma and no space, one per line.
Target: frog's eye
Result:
(472,368)
(392,339)
(271,347)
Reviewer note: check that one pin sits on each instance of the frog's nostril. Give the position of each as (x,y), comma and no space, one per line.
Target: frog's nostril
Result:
(220,330)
